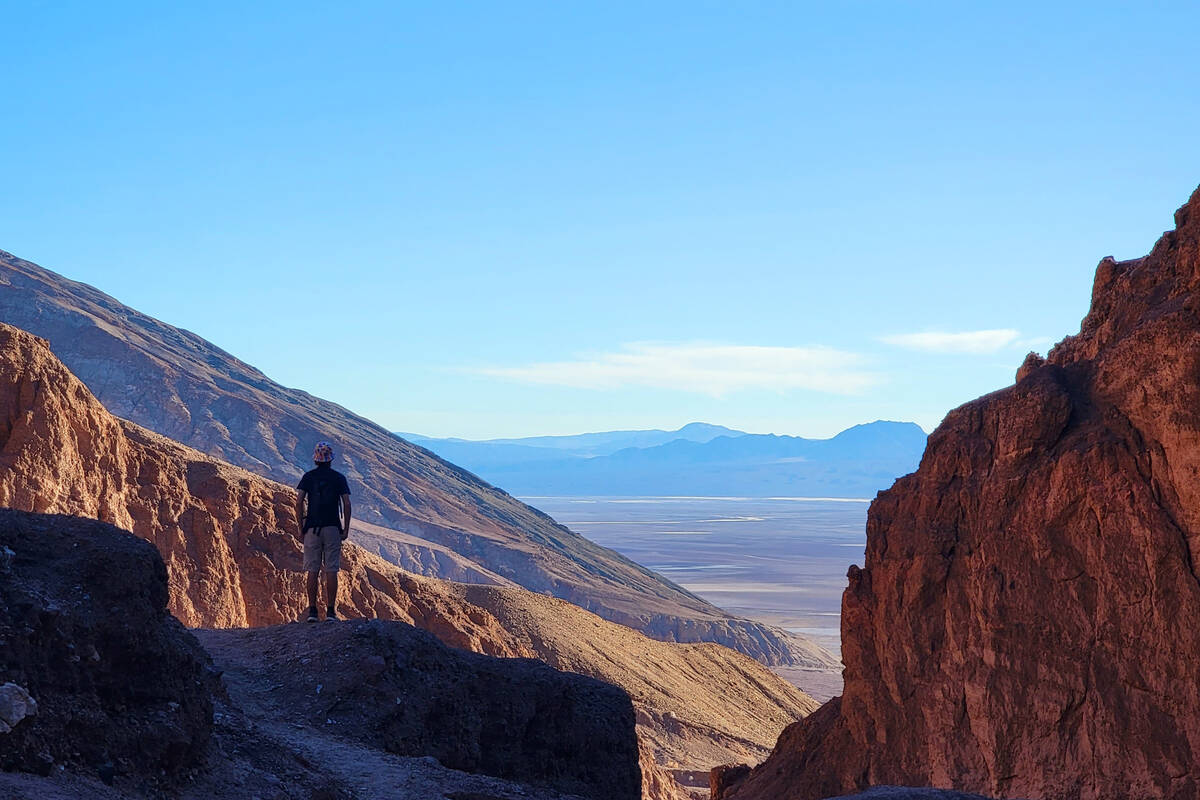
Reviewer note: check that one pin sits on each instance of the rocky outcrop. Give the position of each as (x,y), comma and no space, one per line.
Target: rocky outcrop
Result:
(183,387)
(390,686)
(231,562)
(1022,626)
(724,778)
(120,695)
(94,673)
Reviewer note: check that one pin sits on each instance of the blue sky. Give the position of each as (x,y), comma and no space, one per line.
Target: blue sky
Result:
(501,219)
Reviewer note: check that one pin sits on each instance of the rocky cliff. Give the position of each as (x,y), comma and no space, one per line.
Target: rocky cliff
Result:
(183,387)
(231,562)
(1023,623)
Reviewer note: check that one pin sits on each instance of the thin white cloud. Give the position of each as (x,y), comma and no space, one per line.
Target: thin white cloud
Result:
(1039,343)
(711,369)
(975,342)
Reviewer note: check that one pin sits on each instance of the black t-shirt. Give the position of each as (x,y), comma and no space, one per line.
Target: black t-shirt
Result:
(325,487)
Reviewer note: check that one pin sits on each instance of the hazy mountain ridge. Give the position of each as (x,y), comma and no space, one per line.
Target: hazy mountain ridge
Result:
(858,462)
(598,443)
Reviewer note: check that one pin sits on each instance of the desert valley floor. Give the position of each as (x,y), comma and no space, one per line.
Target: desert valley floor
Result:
(779,560)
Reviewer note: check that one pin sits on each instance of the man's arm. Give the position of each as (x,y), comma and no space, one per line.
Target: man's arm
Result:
(301,495)
(345,516)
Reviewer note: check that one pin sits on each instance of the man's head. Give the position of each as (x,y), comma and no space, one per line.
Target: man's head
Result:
(323,453)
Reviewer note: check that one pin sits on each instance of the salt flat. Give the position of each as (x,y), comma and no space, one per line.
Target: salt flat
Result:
(778,560)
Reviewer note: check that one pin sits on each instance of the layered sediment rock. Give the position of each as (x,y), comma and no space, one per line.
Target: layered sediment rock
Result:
(183,387)
(1023,624)
(94,672)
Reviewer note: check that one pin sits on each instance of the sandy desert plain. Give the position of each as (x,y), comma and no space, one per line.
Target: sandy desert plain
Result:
(778,560)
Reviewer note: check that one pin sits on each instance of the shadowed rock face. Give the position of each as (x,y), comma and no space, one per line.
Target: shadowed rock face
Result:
(231,562)
(399,689)
(117,681)
(183,387)
(697,704)
(1023,626)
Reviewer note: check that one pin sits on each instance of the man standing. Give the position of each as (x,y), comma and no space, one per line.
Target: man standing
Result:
(322,531)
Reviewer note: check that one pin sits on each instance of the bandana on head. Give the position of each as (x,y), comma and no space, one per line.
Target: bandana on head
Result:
(323,452)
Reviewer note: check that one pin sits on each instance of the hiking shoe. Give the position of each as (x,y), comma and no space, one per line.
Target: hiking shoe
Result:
(312,613)
(331,615)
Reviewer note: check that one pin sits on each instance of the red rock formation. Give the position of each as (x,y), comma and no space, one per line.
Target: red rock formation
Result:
(223,532)
(1023,626)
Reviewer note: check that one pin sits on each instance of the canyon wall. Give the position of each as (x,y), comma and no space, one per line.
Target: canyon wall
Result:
(1023,624)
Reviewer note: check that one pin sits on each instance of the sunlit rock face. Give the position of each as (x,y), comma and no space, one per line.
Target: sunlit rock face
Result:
(226,535)
(1024,622)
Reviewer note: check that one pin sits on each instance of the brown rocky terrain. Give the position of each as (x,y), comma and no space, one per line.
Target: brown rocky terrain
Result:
(230,562)
(1022,626)
(116,692)
(185,388)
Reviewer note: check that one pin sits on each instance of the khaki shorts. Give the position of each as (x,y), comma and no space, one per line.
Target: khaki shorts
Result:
(323,545)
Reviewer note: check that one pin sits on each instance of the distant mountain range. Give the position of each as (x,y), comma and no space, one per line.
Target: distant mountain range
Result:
(698,459)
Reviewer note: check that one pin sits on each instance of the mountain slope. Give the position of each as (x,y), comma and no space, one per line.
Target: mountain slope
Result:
(1024,623)
(232,560)
(185,388)
(858,462)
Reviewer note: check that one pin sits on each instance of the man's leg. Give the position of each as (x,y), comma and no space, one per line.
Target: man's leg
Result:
(312,589)
(331,588)
(332,540)
(312,566)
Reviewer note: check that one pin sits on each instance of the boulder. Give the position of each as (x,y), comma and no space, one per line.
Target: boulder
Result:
(95,672)
(15,705)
